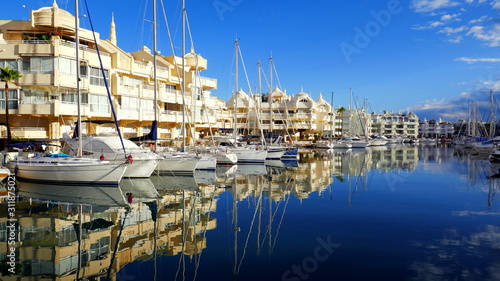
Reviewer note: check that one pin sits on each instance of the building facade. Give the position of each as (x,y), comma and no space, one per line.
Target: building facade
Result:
(43,104)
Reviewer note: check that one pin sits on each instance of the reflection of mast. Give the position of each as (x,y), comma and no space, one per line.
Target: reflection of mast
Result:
(79,237)
(235,228)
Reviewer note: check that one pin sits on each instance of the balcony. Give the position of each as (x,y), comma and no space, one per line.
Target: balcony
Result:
(36,109)
(37,79)
(35,47)
(147,114)
(128,113)
(147,91)
(142,68)
(171,116)
(29,132)
(208,83)
(128,90)
(169,95)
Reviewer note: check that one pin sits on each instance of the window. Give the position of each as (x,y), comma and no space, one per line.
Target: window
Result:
(147,105)
(98,103)
(129,103)
(35,97)
(38,65)
(67,66)
(96,77)
(170,88)
(3,231)
(13,99)
(100,248)
(10,63)
(196,92)
(69,97)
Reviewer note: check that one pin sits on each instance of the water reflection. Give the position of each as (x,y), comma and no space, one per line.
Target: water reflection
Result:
(174,225)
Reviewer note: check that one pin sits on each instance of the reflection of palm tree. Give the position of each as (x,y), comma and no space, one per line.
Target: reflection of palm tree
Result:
(341,111)
(7,75)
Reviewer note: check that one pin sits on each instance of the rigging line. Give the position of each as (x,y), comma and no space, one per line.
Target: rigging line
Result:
(189,32)
(167,26)
(280,222)
(277,77)
(197,262)
(249,232)
(183,241)
(245,71)
(118,239)
(110,99)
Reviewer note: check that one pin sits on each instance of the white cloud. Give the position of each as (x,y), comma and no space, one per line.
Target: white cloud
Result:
(455,40)
(431,5)
(489,35)
(450,30)
(449,17)
(470,60)
(481,19)
(495,4)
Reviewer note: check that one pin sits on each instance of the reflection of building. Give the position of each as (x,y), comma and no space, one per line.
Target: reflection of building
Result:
(399,158)
(49,245)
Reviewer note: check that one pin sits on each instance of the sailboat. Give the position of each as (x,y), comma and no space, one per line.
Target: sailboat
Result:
(116,150)
(245,154)
(61,168)
(173,163)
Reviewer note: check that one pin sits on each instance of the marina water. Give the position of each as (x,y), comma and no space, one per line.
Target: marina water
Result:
(402,212)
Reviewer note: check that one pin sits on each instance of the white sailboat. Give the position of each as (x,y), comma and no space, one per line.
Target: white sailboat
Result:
(61,168)
(110,148)
(245,154)
(170,162)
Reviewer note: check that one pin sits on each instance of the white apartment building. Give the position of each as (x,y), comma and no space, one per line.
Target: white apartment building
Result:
(395,124)
(44,104)
(435,128)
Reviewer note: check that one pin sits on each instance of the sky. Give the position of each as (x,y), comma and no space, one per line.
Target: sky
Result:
(430,57)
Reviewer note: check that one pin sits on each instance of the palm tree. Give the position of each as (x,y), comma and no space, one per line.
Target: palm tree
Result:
(7,75)
(341,111)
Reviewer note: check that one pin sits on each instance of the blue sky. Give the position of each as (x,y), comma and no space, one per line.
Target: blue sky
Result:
(428,56)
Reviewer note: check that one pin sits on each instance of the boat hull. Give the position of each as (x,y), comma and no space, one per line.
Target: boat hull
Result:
(177,165)
(246,155)
(67,171)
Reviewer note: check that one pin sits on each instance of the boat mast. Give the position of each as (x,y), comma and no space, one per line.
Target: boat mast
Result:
(271,127)
(492,116)
(79,151)
(259,104)
(155,82)
(183,76)
(332,118)
(235,114)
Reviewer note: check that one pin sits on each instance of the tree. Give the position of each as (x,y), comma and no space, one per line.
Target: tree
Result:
(341,111)
(8,75)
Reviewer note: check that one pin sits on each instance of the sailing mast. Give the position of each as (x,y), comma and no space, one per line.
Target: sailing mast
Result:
(183,76)
(492,116)
(155,81)
(79,151)
(271,127)
(235,114)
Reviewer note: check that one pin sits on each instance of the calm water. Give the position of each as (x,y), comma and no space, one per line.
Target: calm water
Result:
(388,213)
